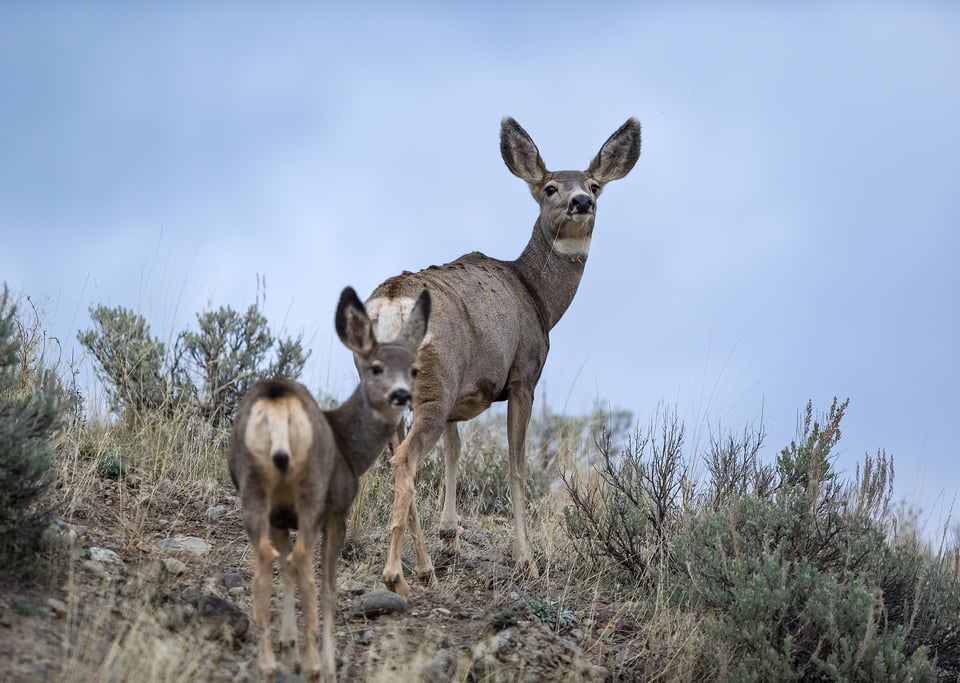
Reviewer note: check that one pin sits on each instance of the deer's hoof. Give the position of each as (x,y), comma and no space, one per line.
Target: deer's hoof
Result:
(427,577)
(396,583)
(447,534)
(269,667)
(311,665)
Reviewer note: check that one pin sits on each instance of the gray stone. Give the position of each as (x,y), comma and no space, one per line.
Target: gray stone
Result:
(58,606)
(191,544)
(106,557)
(440,668)
(232,579)
(378,602)
(216,512)
(174,566)
(95,567)
(222,619)
(366,637)
(190,595)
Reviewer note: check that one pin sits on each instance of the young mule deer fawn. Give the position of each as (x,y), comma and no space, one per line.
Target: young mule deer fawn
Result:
(297,467)
(489,334)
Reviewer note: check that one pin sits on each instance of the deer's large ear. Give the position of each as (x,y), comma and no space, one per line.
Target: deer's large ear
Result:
(618,154)
(415,327)
(519,153)
(353,324)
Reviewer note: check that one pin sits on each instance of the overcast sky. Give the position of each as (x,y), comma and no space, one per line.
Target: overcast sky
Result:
(791,231)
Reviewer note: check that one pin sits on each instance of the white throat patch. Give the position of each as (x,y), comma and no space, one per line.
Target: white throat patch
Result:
(572,246)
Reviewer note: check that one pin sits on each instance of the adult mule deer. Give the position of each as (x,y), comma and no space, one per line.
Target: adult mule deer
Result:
(489,332)
(297,467)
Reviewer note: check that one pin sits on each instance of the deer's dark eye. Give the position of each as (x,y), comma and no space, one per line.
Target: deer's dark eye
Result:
(595,189)
(414,372)
(550,190)
(376,369)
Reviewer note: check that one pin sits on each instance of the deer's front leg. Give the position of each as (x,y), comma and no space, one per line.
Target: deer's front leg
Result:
(519,408)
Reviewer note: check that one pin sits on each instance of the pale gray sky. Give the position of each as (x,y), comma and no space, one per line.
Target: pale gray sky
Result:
(790,231)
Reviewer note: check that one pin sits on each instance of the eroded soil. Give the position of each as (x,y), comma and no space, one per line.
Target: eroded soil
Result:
(184,615)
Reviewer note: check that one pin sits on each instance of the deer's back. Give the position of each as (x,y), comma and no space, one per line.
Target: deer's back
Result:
(484,329)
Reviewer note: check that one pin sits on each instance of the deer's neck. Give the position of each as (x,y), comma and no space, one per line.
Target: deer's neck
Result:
(551,270)
(361,436)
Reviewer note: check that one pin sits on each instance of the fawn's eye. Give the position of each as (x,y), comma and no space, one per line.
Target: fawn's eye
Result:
(414,372)
(595,189)
(376,369)
(550,190)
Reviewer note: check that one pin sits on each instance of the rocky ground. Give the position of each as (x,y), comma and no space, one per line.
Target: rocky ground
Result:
(158,589)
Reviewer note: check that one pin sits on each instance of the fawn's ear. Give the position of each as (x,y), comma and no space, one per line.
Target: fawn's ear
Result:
(415,327)
(618,154)
(353,324)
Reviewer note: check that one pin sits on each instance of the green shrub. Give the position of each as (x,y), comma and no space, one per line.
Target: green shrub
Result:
(633,503)
(131,363)
(791,571)
(778,603)
(205,372)
(30,411)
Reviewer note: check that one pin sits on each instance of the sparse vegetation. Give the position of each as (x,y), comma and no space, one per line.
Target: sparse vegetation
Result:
(657,563)
(206,371)
(31,409)
(792,572)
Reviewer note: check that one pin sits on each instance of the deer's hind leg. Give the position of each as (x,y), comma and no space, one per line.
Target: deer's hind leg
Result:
(262,583)
(301,559)
(288,620)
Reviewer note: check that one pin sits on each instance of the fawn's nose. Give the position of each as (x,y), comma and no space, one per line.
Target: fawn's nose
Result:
(400,397)
(282,460)
(581,204)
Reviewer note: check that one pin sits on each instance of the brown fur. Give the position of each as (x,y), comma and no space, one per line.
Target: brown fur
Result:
(490,333)
(297,467)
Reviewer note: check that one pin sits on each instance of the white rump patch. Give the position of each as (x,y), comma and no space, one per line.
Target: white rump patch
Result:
(387,316)
(572,246)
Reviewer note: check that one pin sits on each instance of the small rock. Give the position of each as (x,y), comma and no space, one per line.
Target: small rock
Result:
(174,566)
(357,588)
(106,557)
(577,635)
(232,579)
(222,618)
(192,544)
(216,512)
(95,567)
(58,606)
(366,637)
(440,668)
(379,602)
(237,591)
(190,595)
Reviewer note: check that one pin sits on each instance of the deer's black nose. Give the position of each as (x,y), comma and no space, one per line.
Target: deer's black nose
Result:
(282,460)
(400,397)
(581,204)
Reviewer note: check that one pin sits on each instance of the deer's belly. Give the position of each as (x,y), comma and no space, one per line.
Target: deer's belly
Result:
(471,404)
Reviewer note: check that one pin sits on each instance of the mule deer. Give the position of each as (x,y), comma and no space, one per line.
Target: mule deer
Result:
(297,467)
(489,334)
